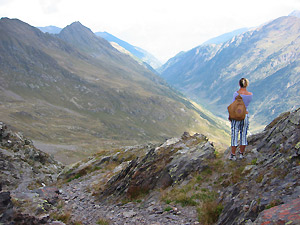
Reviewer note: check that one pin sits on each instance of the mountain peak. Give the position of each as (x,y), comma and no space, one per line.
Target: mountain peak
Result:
(295,13)
(83,38)
(77,28)
(76,23)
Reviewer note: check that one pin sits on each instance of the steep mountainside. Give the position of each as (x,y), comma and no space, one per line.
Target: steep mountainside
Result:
(268,56)
(135,51)
(78,92)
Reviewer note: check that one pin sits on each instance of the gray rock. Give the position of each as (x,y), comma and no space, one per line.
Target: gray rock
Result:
(129,214)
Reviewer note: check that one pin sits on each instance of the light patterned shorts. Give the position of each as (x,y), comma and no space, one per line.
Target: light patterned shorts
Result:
(239,127)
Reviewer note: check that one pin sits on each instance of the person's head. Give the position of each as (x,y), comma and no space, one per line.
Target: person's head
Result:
(244,82)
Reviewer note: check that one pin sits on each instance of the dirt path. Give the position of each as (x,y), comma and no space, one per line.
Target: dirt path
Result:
(88,209)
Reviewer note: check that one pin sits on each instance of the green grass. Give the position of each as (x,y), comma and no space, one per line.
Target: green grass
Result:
(202,189)
(103,221)
(254,162)
(168,208)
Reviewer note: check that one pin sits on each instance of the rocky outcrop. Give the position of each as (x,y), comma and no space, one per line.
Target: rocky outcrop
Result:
(271,174)
(21,164)
(169,163)
(24,170)
(122,158)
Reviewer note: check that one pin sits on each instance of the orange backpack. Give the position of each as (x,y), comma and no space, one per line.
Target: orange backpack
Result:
(237,109)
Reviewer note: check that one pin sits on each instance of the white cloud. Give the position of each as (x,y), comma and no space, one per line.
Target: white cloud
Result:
(49,6)
(162,27)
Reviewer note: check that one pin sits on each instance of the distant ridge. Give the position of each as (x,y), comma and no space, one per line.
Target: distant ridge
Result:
(136,51)
(50,29)
(109,37)
(225,37)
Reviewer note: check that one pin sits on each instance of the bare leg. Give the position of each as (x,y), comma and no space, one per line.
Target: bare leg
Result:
(242,148)
(233,150)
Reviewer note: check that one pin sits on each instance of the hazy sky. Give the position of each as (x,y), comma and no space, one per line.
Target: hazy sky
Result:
(162,27)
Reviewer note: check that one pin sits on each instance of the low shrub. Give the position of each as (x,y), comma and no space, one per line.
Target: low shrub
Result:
(209,212)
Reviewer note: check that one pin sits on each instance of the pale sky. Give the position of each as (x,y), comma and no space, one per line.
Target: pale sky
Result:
(162,27)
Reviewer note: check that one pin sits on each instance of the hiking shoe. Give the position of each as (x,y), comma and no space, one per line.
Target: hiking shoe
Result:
(232,157)
(241,155)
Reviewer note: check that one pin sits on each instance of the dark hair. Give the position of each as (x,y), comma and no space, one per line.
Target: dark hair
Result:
(244,82)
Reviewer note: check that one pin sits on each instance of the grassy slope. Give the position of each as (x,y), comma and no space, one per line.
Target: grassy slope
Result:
(58,95)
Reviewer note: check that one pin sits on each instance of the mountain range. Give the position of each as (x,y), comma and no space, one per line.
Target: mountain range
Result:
(74,94)
(268,56)
(137,53)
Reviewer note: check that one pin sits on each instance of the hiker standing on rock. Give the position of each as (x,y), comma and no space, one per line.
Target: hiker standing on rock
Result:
(240,126)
